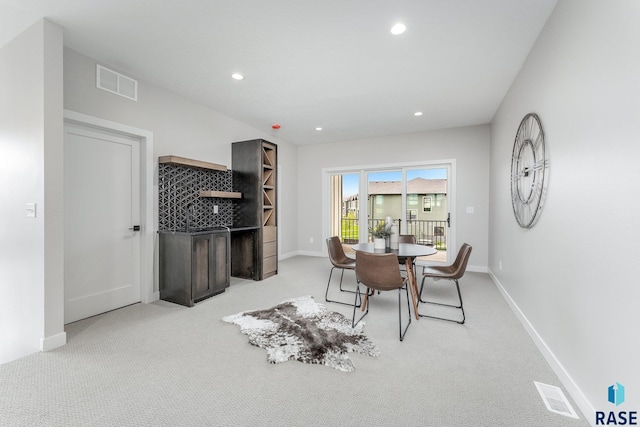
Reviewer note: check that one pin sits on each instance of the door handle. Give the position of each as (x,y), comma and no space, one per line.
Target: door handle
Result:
(135,228)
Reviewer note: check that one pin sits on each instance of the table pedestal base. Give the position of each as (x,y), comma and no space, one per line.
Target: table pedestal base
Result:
(413,285)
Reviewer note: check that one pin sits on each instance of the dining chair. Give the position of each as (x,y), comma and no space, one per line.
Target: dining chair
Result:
(453,272)
(405,238)
(341,261)
(380,272)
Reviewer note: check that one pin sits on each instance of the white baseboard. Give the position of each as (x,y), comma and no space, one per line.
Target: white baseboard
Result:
(572,388)
(478,268)
(55,341)
(312,253)
(287,255)
(153,296)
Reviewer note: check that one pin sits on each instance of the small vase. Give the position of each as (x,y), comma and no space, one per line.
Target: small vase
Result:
(394,237)
(379,243)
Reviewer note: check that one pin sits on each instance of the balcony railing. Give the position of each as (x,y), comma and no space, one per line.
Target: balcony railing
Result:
(432,233)
(350,230)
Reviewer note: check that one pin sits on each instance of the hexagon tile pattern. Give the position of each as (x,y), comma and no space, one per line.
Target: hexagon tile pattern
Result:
(179,187)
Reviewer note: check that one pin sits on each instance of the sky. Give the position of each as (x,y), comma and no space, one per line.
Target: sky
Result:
(350,181)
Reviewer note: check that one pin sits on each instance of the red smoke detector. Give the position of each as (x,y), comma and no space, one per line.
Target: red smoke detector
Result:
(276,126)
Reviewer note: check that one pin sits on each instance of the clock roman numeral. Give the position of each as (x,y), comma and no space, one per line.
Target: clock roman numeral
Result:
(517,146)
(539,139)
(540,164)
(524,214)
(530,124)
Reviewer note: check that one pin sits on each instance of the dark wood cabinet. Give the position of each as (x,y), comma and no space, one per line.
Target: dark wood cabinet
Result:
(244,260)
(255,169)
(193,266)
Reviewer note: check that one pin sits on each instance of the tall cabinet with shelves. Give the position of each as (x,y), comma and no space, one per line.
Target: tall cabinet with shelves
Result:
(254,166)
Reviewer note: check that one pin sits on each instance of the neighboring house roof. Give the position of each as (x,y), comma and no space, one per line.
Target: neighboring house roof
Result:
(414,186)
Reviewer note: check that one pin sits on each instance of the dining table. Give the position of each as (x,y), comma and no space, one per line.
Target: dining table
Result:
(408,251)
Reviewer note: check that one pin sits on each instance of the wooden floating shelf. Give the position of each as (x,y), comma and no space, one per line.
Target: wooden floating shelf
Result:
(221,194)
(183,161)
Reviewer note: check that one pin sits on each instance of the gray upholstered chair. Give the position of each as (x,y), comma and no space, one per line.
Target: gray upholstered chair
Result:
(380,272)
(453,272)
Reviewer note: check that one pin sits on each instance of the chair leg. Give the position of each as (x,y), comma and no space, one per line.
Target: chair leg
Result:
(326,294)
(403,333)
(355,306)
(460,299)
(344,290)
(420,300)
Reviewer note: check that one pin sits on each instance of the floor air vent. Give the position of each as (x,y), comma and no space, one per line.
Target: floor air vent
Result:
(117,83)
(555,400)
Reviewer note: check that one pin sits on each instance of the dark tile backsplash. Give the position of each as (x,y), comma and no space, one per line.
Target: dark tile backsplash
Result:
(180,186)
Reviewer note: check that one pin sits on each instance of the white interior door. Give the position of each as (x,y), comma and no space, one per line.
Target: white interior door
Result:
(102,205)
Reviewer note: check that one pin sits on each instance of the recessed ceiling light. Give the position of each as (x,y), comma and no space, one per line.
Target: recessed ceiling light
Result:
(237,76)
(417,113)
(318,128)
(399,28)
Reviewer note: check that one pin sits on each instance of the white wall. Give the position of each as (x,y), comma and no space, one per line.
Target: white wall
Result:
(180,127)
(574,274)
(469,146)
(31,146)
(31,142)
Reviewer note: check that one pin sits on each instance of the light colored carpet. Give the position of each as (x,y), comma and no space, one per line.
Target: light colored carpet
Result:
(162,364)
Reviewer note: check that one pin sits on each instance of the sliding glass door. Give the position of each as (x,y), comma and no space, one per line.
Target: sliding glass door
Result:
(427,209)
(418,198)
(345,207)
(384,197)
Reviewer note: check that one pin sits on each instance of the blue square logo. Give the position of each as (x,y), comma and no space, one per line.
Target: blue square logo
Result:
(616,394)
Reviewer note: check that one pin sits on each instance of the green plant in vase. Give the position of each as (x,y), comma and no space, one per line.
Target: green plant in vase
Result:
(381,230)
(381,233)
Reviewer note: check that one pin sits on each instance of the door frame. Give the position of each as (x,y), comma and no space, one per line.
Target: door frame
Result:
(147,190)
(363,169)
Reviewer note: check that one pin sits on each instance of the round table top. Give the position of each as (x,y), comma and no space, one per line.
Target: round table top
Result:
(404,249)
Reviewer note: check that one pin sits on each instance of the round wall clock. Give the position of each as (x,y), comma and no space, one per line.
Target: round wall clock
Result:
(529,169)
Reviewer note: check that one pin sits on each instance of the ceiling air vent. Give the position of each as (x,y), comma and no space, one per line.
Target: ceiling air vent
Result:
(113,82)
(555,400)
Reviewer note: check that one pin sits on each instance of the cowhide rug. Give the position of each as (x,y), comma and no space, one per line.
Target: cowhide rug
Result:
(301,329)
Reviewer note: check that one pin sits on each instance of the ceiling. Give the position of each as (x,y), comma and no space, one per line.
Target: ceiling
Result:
(326,63)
